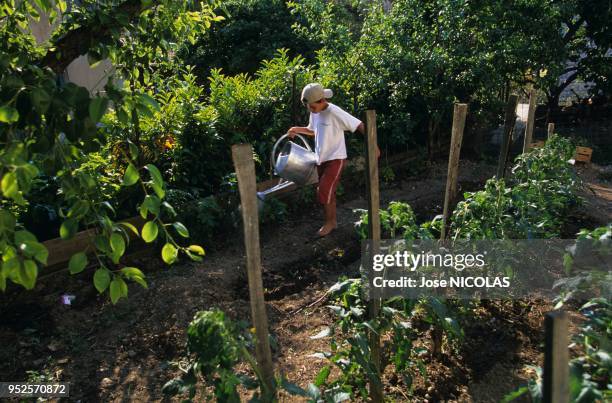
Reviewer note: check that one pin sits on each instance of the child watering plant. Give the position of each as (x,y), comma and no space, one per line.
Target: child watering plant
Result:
(327,123)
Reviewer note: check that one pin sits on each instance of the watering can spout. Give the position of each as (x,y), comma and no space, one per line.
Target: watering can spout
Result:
(261,196)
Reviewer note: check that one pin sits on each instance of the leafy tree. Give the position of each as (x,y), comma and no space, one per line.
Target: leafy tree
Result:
(253,33)
(50,127)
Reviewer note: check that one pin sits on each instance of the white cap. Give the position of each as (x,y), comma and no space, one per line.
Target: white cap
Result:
(314,92)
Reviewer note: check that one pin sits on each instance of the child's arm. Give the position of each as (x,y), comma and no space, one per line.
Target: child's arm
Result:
(300,130)
(361,129)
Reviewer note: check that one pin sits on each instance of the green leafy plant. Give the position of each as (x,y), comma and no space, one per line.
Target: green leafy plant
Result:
(542,189)
(53,128)
(215,345)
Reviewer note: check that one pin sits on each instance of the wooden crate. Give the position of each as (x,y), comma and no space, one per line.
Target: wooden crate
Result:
(583,154)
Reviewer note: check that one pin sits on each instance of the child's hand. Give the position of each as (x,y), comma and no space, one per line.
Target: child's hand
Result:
(292,132)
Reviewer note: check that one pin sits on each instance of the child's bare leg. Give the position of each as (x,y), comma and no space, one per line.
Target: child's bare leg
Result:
(330,219)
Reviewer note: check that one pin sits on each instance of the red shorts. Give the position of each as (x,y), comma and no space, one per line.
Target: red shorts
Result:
(329,176)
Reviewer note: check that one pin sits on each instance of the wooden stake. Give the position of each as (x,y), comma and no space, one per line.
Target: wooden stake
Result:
(376,394)
(242,155)
(530,121)
(551,129)
(556,358)
(459,115)
(509,122)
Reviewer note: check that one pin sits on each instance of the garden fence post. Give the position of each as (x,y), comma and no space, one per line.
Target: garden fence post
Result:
(556,358)
(459,114)
(551,130)
(530,121)
(372,182)
(509,122)
(242,155)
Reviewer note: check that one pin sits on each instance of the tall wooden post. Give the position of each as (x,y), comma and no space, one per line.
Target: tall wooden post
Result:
(556,358)
(376,394)
(530,121)
(459,115)
(551,130)
(242,155)
(509,122)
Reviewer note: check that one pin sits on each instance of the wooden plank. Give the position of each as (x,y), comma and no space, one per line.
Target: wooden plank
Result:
(372,182)
(530,121)
(584,150)
(583,154)
(551,130)
(242,155)
(61,250)
(509,122)
(459,115)
(556,358)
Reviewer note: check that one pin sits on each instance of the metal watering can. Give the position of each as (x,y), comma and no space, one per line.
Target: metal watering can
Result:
(294,164)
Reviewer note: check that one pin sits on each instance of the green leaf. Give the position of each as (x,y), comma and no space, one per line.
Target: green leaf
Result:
(2,281)
(131,272)
(150,204)
(8,114)
(130,226)
(77,263)
(155,175)
(169,253)
(292,388)
(28,271)
(36,250)
(7,221)
(9,184)
(135,275)
(68,228)
(118,289)
(97,108)
(514,395)
(133,149)
(40,99)
(131,176)
(196,249)
(181,229)
(149,101)
(159,190)
(322,376)
(102,279)
(170,209)
(149,231)
(78,209)
(117,246)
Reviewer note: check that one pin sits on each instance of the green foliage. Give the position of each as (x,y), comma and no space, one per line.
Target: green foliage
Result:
(591,368)
(257,110)
(398,220)
(253,32)
(544,188)
(51,129)
(215,345)
(274,211)
(349,348)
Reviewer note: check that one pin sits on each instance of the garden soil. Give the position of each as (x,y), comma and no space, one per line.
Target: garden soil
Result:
(126,352)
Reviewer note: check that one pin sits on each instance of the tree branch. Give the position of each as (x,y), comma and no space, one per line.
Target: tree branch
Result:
(572,29)
(78,42)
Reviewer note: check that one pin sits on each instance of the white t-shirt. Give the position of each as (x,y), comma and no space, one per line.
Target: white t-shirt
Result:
(329,126)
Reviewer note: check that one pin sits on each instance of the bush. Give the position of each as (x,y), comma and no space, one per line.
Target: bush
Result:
(543,189)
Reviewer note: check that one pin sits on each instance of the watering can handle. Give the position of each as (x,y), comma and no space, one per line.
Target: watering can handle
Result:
(281,138)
